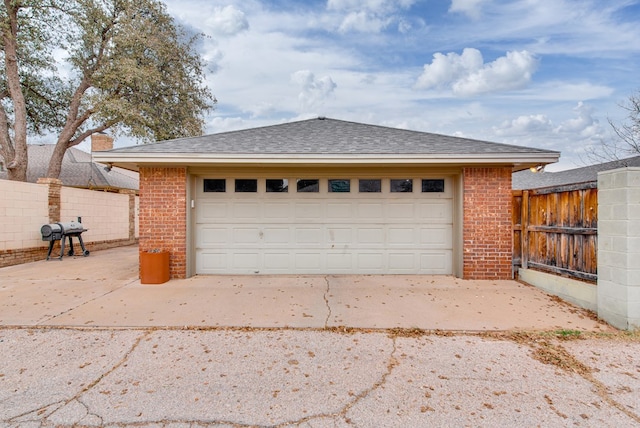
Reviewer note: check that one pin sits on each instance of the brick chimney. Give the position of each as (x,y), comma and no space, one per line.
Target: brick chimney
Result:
(101,142)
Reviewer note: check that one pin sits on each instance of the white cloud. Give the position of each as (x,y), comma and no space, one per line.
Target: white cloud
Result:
(524,125)
(370,16)
(262,109)
(467,74)
(595,29)
(571,132)
(363,22)
(225,124)
(227,21)
(471,8)
(378,6)
(313,92)
(584,124)
(588,53)
(565,90)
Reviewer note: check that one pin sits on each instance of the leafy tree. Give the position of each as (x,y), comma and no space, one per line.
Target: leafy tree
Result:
(76,67)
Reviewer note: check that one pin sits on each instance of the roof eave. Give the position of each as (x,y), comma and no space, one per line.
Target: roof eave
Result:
(133,161)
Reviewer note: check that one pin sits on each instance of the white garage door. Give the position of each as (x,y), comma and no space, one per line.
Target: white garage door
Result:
(318,226)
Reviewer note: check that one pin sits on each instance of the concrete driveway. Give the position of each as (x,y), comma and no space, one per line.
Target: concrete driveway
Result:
(74,362)
(103,290)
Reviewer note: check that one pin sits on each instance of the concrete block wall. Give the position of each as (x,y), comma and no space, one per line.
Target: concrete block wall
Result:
(619,247)
(487,224)
(104,214)
(23,210)
(25,207)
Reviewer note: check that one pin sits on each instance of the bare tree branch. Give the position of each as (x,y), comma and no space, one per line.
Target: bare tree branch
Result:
(627,135)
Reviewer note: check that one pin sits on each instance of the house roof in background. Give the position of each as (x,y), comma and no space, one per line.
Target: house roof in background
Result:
(78,169)
(324,138)
(529,180)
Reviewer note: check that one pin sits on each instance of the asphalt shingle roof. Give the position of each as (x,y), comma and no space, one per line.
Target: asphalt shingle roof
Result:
(528,180)
(328,136)
(78,169)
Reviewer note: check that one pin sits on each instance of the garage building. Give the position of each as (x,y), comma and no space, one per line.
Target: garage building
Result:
(325,196)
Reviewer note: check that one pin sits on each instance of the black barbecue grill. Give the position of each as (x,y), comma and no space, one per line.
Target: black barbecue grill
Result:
(59,231)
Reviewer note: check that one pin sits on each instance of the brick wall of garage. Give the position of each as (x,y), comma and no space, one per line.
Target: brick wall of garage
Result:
(487,234)
(163,215)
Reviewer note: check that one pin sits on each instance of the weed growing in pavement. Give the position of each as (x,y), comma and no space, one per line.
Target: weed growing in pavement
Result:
(568,334)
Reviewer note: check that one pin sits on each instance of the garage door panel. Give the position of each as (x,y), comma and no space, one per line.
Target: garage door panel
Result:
(309,210)
(212,211)
(340,235)
(436,263)
(281,233)
(373,211)
(246,235)
(436,210)
(277,261)
(398,210)
(370,235)
(370,262)
(276,235)
(206,236)
(308,261)
(277,210)
(339,211)
(402,262)
(309,235)
(248,211)
(436,237)
(402,236)
(339,261)
(246,260)
(212,262)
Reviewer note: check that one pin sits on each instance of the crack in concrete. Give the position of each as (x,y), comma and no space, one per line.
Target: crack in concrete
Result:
(89,413)
(76,397)
(39,412)
(557,355)
(541,347)
(326,302)
(392,363)
(604,394)
(50,318)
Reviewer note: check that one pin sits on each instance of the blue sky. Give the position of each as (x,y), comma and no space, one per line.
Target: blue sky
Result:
(546,74)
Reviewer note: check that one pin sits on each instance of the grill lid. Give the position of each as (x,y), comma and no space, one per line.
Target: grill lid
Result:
(71,227)
(49,229)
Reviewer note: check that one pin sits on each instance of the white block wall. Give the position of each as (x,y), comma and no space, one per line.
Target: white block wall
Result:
(619,247)
(24,208)
(104,214)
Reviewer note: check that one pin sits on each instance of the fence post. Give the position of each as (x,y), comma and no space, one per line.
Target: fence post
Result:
(55,187)
(524,220)
(132,212)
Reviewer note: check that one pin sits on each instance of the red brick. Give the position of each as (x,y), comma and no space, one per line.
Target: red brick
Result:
(163,215)
(487,227)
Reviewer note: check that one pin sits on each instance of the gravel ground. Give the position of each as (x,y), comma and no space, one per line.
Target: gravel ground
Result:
(316,378)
